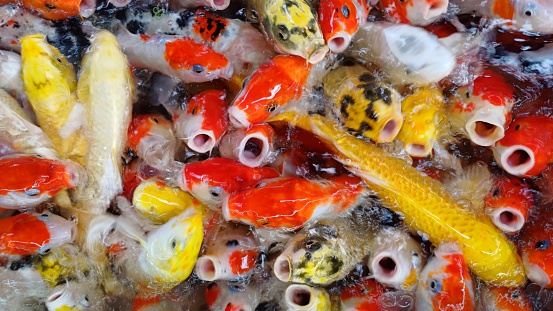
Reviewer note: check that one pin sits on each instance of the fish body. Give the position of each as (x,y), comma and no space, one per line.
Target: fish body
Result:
(272,86)
(366,106)
(159,202)
(176,56)
(290,202)
(17,22)
(204,122)
(31,233)
(253,146)
(106,89)
(237,40)
(415,12)
(423,115)
(292,27)
(60,9)
(32,180)
(362,296)
(483,109)
(525,151)
(339,21)
(10,74)
(210,181)
(324,252)
(508,203)
(152,138)
(536,250)
(50,82)
(445,282)
(423,202)
(231,254)
(496,298)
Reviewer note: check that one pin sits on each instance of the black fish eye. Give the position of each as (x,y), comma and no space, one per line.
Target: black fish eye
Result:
(528,13)
(345,11)
(272,107)
(542,245)
(210,285)
(283,32)
(174,244)
(156,120)
(32,192)
(216,191)
(517,127)
(194,110)
(245,82)
(435,286)
(312,246)
(198,68)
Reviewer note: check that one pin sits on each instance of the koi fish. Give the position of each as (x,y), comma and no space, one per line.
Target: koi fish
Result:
(339,21)
(272,86)
(232,296)
(396,259)
(17,22)
(212,180)
(179,57)
(231,254)
(50,82)
(525,151)
(31,233)
(423,121)
(61,264)
(204,122)
(75,296)
(10,74)
(483,109)
(415,12)
(536,251)
(419,198)
(509,203)
(445,282)
(303,297)
(151,137)
(364,295)
(366,106)
(18,132)
(292,28)
(159,202)
(290,202)
(106,89)
(32,180)
(496,298)
(58,9)
(253,146)
(407,54)
(324,252)
(237,40)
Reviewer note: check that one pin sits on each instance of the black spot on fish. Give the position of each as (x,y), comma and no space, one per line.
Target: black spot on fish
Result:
(366,77)
(299,30)
(385,95)
(135,26)
(70,39)
(16,25)
(348,62)
(184,18)
(50,6)
(18,264)
(335,265)
(496,192)
(308,256)
(311,26)
(344,104)
(215,27)
(364,126)
(271,305)
(370,113)
(312,245)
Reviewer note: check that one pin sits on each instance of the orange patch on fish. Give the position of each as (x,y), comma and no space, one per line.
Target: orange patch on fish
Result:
(453,295)
(503,9)
(464,107)
(337,15)
(397,9)
(493,88)
(211,294)
(23,234)
(242,261)
(54,9)
(185,53)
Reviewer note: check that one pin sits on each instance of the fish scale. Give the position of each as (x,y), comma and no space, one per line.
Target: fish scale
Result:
(424,204)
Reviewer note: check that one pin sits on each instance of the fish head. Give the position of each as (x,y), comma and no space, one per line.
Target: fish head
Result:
(229,296)
(506,299)
(416,12)
(445,281)
(311,257)
(362,296)
(508,203)
(537,252)
(339,21)
(534,15)
(303,297)
(293,27)
(148,125)
(172,249)
(73,296)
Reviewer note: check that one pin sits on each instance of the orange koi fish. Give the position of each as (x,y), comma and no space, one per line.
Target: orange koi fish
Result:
(204,122)
(362,296)
(416,12)
(289,202)
(272,86)
(211,180)
(255,145)
(505,299)
(339,21)
(508,204)
(31,233)
(179,57)
(29,180)
(445,282)
(57,9)
(536,250)
(526,149)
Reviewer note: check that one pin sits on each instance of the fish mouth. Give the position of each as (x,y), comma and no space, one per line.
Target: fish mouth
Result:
(254,150)
(202,141)
(390,130)
(516,160)
(339,42)
(486,128)
(283,268)
(219,4)
(300,297)
(535,273)
(208,268)
(418,150)
(87,8)
(508,219)
(317,52)
(434,10)
(238,117)
(389,269)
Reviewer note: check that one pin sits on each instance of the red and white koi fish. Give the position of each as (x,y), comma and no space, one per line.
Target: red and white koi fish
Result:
(31,180)
(535,247)
(483,109)
(508,204)
(445,283)
(496,298)
(232,296)
(212,180)
(339,21)
(253,146)
(204,122)
(362,296)
(230,255)
(289,202)
(57,10)
(415,12)
(525,151)
(272,86)
(181,57)
(31,233)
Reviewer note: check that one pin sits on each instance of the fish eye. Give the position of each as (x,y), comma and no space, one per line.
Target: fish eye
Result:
(530,10)
(496,192)
(272,107)
(414,254)
(198,68)
(245,82)
(261,184)
(283,33)
(435,286)
(32,192)
(232,243)
(174,244)
(402,1)
(216,191)
(156,120)
(194,110)
(45,251)
(345,11)
(312,245)
(542,245)
(517,127)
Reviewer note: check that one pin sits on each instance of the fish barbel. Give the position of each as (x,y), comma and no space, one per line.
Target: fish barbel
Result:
(424,204)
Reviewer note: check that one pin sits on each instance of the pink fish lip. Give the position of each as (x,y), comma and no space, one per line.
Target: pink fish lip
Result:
(254,150)
(88,7)
(238,118)
(208,268)
(202,141)
(435,9)
(508,219)
(388,269)
(418,150)
(534,272)
(317,53)
(390,130)
(517,159)
(299,296)
(219,4)
(486,127)
(283,268)
(339,42)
